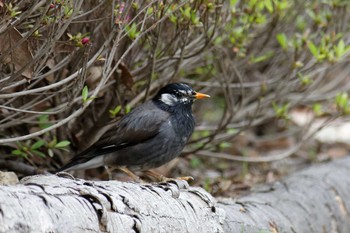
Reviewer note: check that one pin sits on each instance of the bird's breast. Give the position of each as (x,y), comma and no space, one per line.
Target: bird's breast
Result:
(183,125)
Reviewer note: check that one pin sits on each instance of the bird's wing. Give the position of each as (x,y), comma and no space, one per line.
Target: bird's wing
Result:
(140,125)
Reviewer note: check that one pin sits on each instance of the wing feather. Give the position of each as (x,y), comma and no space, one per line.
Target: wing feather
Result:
(141,124)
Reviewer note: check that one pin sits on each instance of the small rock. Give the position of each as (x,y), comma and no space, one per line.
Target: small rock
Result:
(8,178)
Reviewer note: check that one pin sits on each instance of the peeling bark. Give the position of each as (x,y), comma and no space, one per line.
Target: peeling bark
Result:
(313,200)
(48,203)
(316,200)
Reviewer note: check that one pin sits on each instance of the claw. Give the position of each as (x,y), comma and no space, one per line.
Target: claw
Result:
(164,179)
(186,178)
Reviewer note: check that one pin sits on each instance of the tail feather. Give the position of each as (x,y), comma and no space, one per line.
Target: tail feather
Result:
(90,158)
(94,162)
(80,159)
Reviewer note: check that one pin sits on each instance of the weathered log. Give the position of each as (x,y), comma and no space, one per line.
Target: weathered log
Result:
(48,203)
(314,200)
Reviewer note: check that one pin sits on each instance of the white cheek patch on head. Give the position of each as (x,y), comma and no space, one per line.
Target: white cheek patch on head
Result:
(168,99)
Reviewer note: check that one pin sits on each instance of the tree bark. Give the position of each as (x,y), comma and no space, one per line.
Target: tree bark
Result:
(314,200)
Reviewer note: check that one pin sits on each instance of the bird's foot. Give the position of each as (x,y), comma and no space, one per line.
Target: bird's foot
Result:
(180,182)
(185,178)
(131,174)
(161,178)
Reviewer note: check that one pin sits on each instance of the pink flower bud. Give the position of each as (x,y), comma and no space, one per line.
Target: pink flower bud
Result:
(85,40)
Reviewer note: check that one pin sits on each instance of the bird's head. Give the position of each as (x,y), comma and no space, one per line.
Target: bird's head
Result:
(178,94)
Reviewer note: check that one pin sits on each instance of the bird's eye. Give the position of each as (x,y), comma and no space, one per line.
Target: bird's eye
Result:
(178,94)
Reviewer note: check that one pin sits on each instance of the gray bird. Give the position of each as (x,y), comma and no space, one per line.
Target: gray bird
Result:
(151,135)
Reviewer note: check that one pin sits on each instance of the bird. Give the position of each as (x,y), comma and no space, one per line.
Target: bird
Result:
(150,135)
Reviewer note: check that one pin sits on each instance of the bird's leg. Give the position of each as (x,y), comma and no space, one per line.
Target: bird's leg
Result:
(162,178)
(153,174)
(130,173)
(109,172)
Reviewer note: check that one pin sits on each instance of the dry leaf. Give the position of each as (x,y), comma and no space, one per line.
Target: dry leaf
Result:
(49,65)
(126,76)
(94,74)
(19,55)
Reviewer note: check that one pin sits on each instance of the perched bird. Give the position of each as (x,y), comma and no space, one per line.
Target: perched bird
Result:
(149,136)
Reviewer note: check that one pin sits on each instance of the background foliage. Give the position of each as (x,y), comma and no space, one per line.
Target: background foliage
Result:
(69,67)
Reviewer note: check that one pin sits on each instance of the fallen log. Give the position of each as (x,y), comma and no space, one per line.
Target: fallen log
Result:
(313,200)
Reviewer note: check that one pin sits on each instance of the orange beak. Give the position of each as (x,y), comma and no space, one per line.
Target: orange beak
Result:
(201,95)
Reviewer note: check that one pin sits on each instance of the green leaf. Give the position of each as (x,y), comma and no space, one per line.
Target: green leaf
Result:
(233,3)
(311,14)
(282,39)
(16,152)
(70,36)
(115,111)
(252,3)
(281,111)
(64,149)
(173,18)
(150,11)
(39,153)
(50,152)
(300,23)
(85,94)
(262,58)
(62,144)
(19,153)
(195,18)
(135,6)
(132,31)
(342,102)
(340,49)
(304,79)
(52,143)
(186,12)
(91,98)
(313,49)
(347,49)
(68,11)
(317,109)
(44,121)
(282,5)
(127,109)
(232,131)
(224,145)
(37,145)
(268,5)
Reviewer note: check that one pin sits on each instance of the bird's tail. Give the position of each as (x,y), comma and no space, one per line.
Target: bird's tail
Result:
(90,158)
(84,160)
